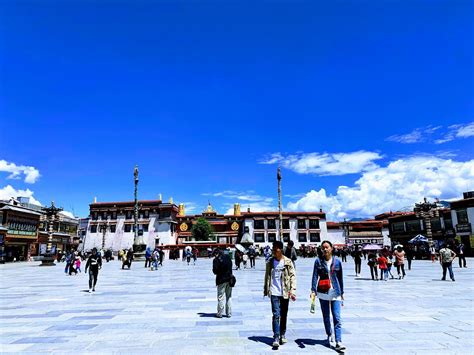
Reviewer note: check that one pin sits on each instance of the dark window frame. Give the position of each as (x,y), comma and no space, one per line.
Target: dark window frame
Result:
(271,224)
(314,224)
(271,237)
(300,224)
(462,216)
(256,224)
(259,237)
(300,237)
(317,239)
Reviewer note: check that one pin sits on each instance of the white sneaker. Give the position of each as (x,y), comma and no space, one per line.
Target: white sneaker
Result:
(90,291)
(340,347)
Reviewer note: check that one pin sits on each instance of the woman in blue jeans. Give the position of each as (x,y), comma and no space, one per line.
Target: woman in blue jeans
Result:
(328,286)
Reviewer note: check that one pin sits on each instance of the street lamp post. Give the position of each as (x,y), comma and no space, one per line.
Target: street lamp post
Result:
(427,210)
(51,215)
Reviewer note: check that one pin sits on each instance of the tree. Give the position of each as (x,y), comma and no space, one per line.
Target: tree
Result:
(202,230)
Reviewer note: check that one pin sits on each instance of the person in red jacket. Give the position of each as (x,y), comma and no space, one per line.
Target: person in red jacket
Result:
(382,262)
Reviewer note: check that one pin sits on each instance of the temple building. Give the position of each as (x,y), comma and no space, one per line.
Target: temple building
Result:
(227,228)
(263,227)
(111,224)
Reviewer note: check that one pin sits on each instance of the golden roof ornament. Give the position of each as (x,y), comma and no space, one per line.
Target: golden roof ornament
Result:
(209,208)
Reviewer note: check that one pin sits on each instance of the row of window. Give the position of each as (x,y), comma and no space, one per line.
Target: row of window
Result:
(271,237)
(272,224)
(415,226)
(112,228)
(128,215)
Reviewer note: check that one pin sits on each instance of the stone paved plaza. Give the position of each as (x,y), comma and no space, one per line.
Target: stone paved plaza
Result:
(172,311)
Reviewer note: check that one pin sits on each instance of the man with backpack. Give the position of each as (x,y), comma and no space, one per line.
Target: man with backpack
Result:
(222,268)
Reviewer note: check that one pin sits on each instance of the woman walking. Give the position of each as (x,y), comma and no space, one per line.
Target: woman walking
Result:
(400,262)
(328,286)
(373,265)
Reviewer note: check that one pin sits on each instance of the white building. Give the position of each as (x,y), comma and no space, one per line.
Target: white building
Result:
(303,228)
(111,224)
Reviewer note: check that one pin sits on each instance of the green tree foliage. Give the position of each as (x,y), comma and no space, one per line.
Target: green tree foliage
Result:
(202,230)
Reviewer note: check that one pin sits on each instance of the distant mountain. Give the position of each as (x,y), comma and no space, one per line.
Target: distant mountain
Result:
(445,204)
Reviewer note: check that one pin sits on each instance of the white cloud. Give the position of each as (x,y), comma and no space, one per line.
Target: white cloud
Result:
(8,192)
(416,136)
(254,207)
(464,131)
(325,163)
(457,131)
(435,134)
(247,199)
(30,173)
(190,207)
(399,184)
(247,196)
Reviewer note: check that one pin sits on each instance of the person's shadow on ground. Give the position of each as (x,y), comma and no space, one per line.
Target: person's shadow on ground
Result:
(302,343)
(207,315)
(265,340)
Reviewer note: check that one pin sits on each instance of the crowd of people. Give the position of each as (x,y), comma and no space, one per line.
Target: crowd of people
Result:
(280,274)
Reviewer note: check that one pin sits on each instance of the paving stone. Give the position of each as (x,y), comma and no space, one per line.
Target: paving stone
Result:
(171,311)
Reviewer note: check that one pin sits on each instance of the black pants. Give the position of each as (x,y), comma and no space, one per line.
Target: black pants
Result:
(93,277)
(344,258)
(409,264)
(373,272)
(357,266)
(72,269)
(252,262)
(462,260)
(147,262)
(402,268)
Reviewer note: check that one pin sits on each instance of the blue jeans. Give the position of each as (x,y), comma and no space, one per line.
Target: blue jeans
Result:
(336,316)
(280,313)
(448,266)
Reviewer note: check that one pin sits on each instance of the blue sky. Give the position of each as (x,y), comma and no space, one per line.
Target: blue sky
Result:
(366,105)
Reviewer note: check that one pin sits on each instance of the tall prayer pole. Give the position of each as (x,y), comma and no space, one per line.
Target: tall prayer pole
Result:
(135,214)
(280,223)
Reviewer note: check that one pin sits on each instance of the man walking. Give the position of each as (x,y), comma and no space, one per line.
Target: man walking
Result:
(94,264)
(222,268)
(462,255)
(290,252)
(446,257)
(280,286)
(252,255)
